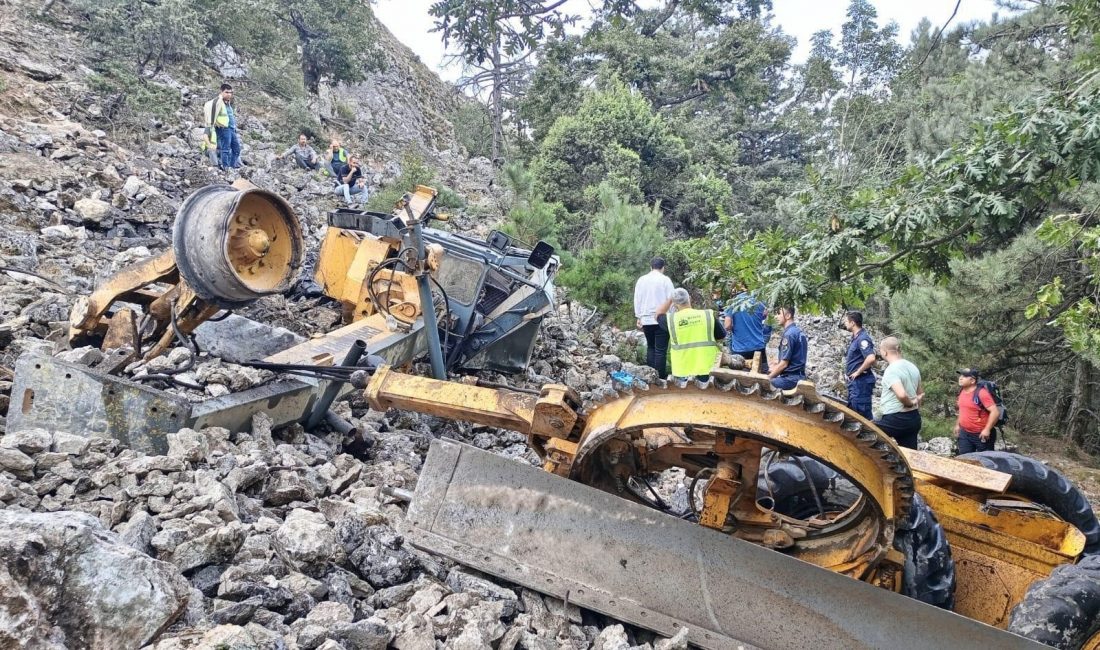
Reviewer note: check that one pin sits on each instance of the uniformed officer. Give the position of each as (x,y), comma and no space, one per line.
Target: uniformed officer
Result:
(693,336)
(791,367)
(857,365)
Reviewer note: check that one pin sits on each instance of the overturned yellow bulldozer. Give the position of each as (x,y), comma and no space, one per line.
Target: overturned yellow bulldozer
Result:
(802,521)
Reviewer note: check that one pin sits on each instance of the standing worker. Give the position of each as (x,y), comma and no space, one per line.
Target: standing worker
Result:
(857,365)
(902,394)
(978,414)
(219,114)
(791,367)
(744,320)
(693,336)
(650,292)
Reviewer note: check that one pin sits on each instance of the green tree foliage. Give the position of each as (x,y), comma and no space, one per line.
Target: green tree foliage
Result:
(333,40)
(614,138)
(624,238)
(531,218)
(496,38)
(145,35)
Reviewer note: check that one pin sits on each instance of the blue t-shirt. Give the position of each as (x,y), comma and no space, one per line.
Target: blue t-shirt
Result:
(859,349)
(792,349)
(232,116)
(748,333)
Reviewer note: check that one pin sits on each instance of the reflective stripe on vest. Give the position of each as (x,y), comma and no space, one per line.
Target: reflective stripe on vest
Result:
(692,349)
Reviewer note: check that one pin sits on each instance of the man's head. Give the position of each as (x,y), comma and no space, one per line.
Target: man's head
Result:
(739,286)
(785,314)
(681,299)
(657,264)
(968,377)
(853,321)
(303,140)
(891,348)
(227,92)
(353,161)
(335,144)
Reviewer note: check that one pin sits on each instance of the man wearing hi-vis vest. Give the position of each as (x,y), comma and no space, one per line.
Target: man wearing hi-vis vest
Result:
(221,117)
(693,336)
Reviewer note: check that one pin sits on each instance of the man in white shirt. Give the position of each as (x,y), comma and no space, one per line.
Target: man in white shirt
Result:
(650,292)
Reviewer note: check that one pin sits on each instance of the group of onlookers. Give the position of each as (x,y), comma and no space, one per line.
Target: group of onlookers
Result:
(222,146)
(685,342)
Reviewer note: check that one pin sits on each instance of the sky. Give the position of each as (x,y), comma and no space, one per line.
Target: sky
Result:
(410,22)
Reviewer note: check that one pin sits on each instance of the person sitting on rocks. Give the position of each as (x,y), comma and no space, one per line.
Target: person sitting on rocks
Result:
(338,157)
(304,155)
(351,180)
(209,146)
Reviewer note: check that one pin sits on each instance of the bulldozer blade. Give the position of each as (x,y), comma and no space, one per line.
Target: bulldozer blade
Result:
(656,571)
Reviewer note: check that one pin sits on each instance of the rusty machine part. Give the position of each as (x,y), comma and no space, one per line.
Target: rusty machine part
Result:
(230,246)
(723,432)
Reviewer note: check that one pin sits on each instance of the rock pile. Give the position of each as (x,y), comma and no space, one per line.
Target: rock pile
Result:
(287,541)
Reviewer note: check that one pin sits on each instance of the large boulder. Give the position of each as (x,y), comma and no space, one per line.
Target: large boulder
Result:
(66,582)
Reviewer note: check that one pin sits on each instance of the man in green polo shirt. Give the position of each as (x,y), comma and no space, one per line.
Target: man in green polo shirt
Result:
(902,394)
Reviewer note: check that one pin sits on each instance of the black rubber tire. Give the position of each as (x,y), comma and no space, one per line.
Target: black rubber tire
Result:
(1062,611)
(1047,486)
(929,572)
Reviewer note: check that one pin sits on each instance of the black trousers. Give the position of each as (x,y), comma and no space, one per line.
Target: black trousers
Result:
(971,442)
(903,427)
(656,349)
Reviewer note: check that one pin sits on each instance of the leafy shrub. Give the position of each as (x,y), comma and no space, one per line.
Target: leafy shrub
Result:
(413,172)
(129,99)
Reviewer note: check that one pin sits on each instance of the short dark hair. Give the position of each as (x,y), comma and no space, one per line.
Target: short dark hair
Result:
(227,87)
(657,263)
(787,308)
(855,317)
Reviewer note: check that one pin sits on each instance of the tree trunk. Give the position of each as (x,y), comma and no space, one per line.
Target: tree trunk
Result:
(1081,418)
(497,106)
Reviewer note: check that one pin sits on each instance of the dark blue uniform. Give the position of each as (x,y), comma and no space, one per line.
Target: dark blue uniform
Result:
(862,389)
(792,349)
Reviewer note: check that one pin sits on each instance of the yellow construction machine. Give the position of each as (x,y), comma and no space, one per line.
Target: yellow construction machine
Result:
(801,525)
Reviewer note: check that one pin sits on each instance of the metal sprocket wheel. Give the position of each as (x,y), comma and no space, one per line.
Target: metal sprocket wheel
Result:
(645,429)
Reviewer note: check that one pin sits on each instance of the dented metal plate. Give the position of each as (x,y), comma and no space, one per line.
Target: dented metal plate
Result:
(57,396)
(625,560)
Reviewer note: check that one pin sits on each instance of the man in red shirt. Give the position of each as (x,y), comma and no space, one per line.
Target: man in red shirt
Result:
(974,428)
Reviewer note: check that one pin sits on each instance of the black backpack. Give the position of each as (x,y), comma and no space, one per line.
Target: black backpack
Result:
(995,393)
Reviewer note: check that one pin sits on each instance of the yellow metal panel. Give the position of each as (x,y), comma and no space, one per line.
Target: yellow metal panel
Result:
(957,471)
(1054,535)
(337,251)
(369,254)
(998,553)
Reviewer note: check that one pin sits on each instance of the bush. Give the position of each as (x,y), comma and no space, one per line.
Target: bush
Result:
(531,218)
(624,239)
(129,100)
(413,172)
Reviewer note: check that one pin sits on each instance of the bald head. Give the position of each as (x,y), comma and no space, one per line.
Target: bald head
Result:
(891,347)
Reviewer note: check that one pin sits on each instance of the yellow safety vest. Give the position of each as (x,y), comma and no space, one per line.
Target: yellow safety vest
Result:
(692,349)
(215,113)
